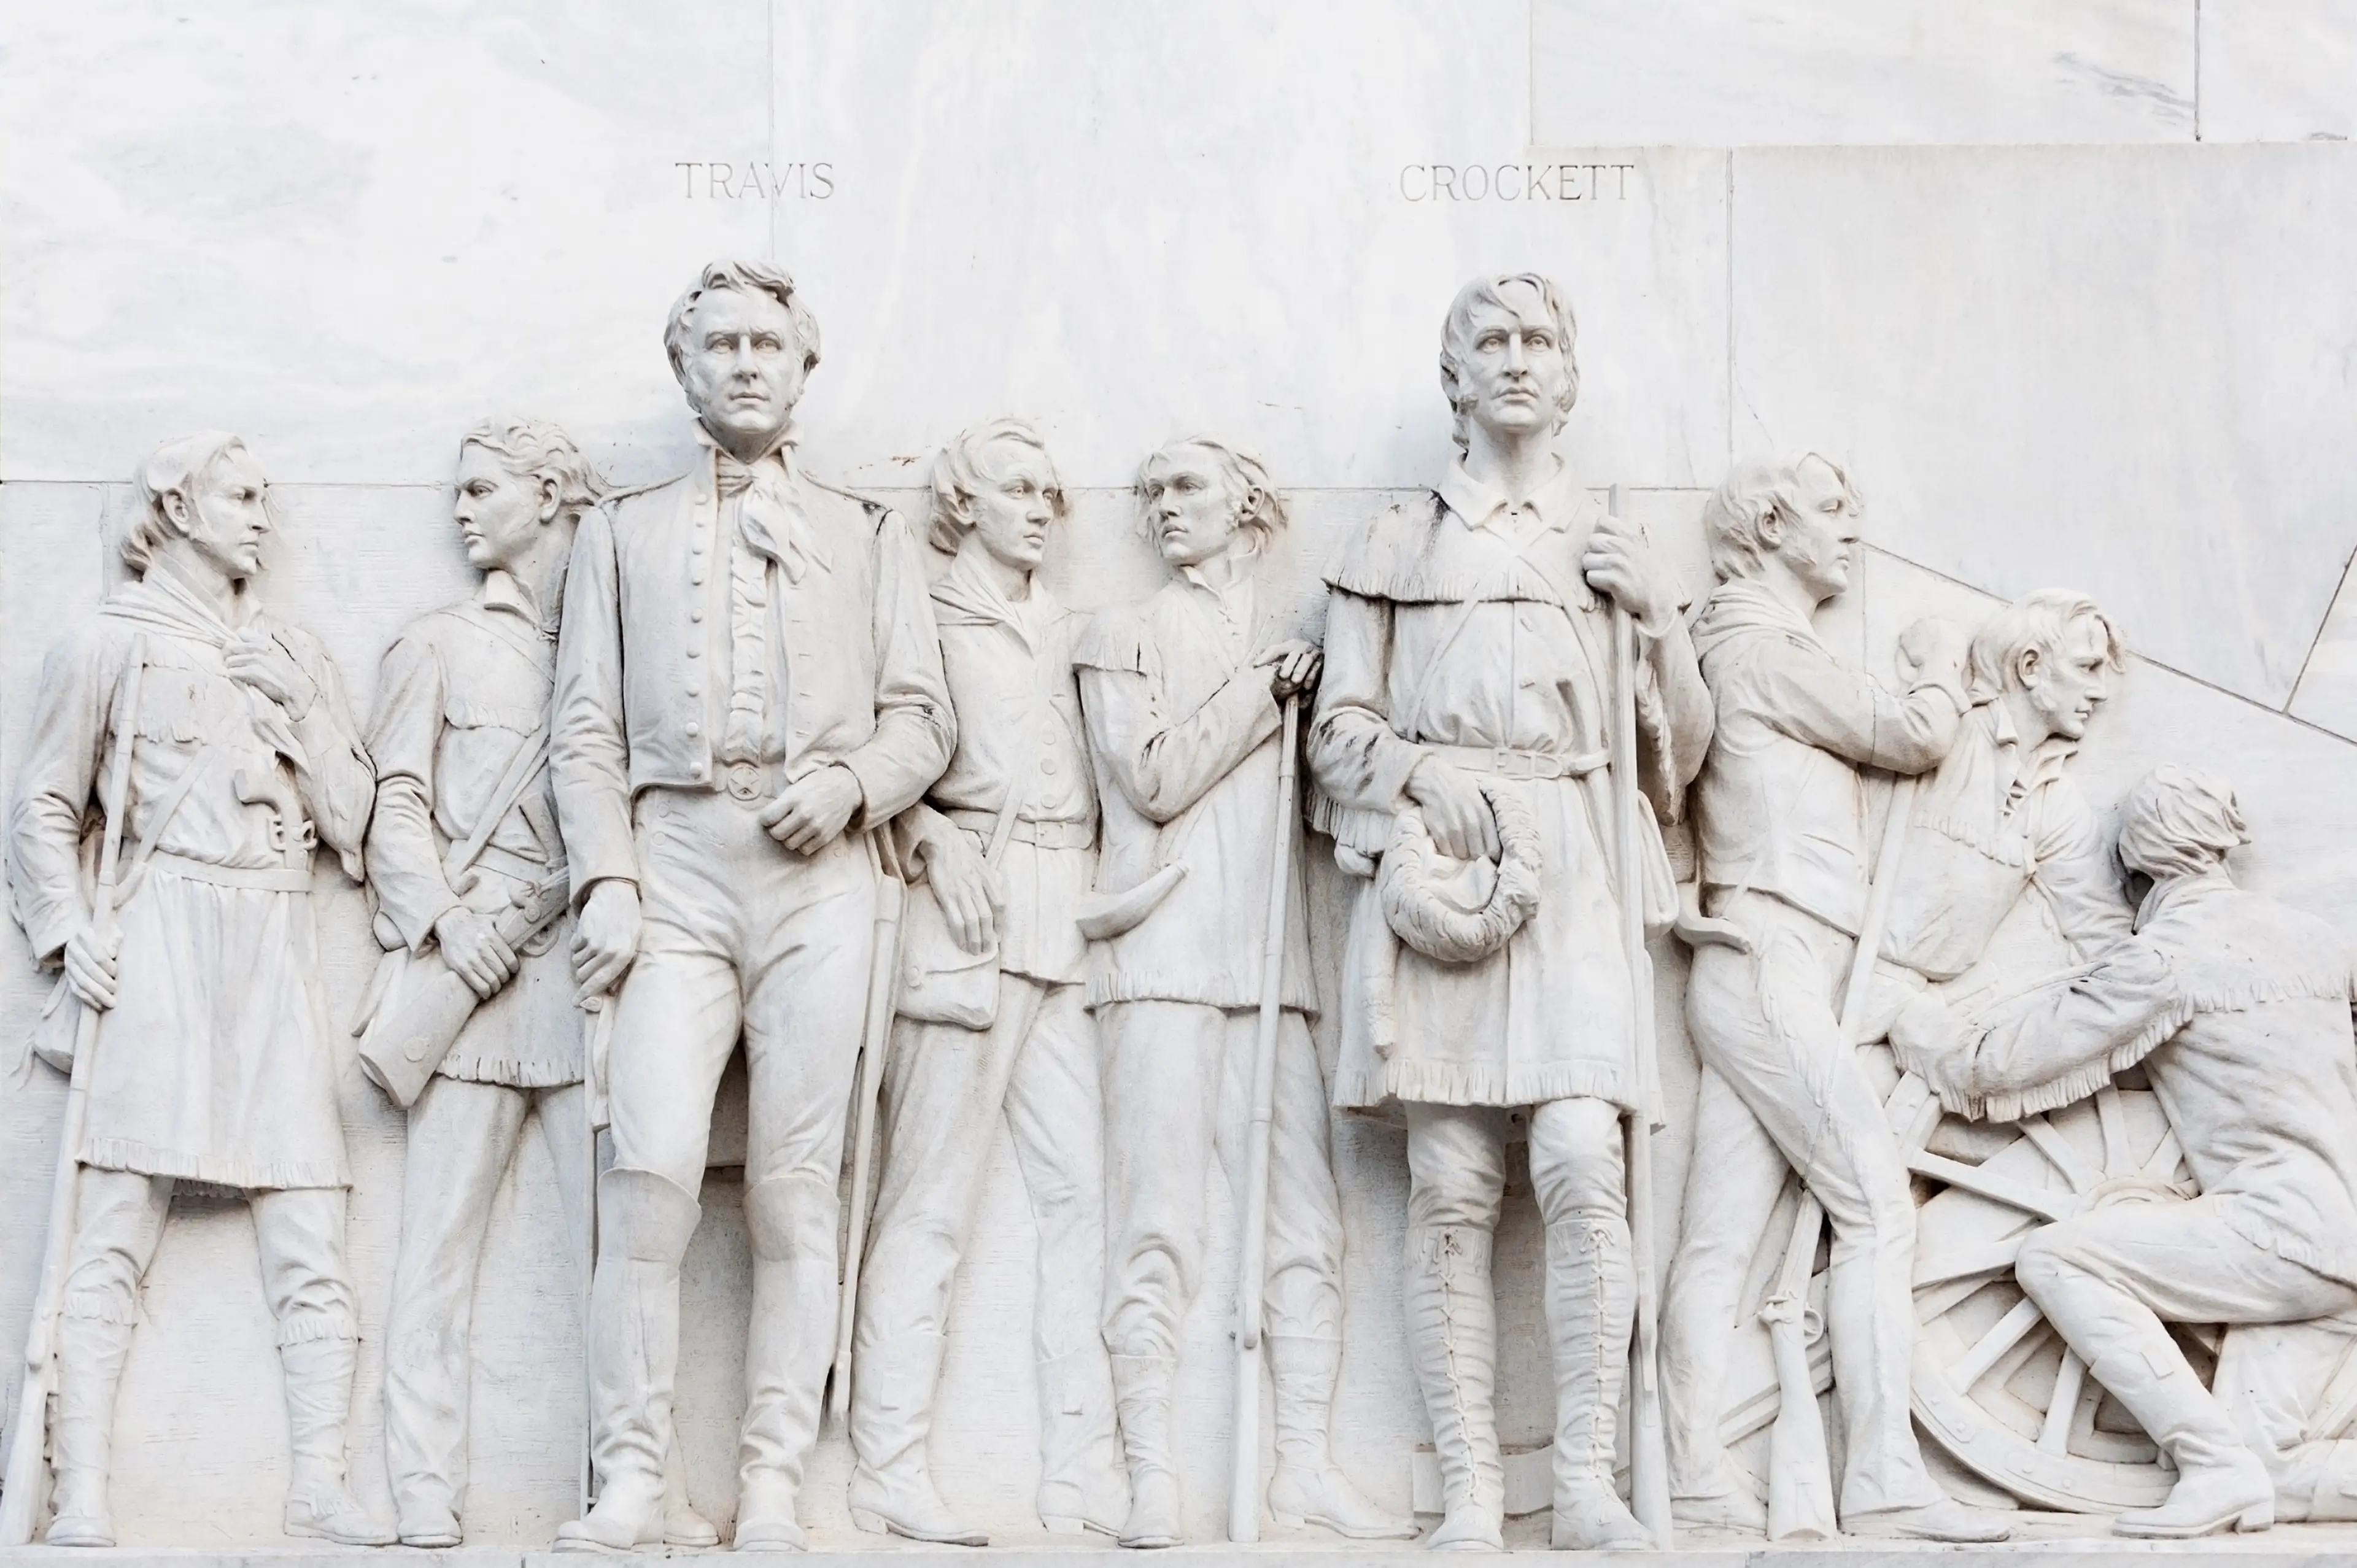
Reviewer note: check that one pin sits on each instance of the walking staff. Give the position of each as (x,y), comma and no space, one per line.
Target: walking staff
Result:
(1243,1490)
(26,1486)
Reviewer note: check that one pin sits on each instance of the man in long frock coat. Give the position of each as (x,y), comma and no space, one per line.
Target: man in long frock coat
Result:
(214,1063)
(1467,658)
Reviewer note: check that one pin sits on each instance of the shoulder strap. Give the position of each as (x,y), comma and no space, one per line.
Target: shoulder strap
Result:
(531,755)
(1021,779)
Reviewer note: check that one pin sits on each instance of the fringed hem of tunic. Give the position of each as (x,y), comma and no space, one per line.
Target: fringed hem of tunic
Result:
(511,1072)
(1361,1088)
(245,1175)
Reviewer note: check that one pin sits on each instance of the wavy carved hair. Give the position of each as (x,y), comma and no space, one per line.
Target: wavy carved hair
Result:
(1260,510)
(957,477)
(1754,492)
(175,468)
(1456,341)
(749,277)
(2040,621)
(536,449)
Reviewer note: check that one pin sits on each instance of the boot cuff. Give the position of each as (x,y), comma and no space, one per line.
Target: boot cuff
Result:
(1442,1248)
(645,1217)
(100,1306)
(306,1327)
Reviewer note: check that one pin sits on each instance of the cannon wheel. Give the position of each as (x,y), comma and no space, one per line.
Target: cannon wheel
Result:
(1993,1381)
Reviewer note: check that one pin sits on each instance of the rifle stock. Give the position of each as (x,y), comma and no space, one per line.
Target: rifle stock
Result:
(1800,1475)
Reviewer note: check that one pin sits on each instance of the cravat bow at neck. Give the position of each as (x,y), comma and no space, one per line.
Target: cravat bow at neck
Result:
(769,516)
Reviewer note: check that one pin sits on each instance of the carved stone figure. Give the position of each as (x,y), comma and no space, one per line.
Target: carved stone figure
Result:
(2237,1009)
(749,678)
(993,1018)
(213,1062)
(1465,719)
(469,872)
(1182,695)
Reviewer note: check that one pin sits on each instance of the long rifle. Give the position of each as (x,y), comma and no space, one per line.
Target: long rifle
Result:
(883,975)
(1800,1474)
(26,1490)
(1648,1464)
(596,1048)
(1243,1487)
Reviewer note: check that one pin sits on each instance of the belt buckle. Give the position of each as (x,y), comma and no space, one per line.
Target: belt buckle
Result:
(744,780)
(1510,764)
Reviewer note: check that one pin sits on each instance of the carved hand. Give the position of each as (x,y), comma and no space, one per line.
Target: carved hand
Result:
(89,966)
(472,946)
(1924,1035)
(1622,566)
(813,810)
(606,938)
(1454,811)
(259,661)
(1293,666)
(968,893)
(1932,652)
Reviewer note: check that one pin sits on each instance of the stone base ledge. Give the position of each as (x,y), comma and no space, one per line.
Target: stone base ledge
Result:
(2047,1545)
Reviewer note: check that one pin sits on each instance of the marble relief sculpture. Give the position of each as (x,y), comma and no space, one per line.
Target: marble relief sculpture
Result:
(1183,695)
(472,1025)
(1464,743)
(2237,1009)
(992,1019)
(748,688)
(236,756)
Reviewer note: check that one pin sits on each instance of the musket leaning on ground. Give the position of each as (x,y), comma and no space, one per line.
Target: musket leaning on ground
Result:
(1649,1464)
(1243,1485)
(1800,1473)
(26,1489)
(597,1046)
(883,977)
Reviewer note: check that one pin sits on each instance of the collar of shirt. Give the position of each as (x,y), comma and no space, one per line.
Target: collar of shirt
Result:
(503,591)
(2041,768)
(1235,601)
(1480,505)
(969,589)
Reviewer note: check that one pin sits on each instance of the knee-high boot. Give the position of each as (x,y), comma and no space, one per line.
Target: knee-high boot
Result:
(1142,1389)
(792,1222)
(892,1389)
(1308,1487)
(1591,1298)
(319,1501)
(91,1353)
(645,1223)
(1452,1331)
(1080,1474)
(2219,1482)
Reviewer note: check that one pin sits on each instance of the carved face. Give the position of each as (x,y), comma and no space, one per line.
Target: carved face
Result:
(2066,688)
(1014,505)
(499,512)
(226,514)
(1819,540)
(742,366)
(1188,505)
(1513,371)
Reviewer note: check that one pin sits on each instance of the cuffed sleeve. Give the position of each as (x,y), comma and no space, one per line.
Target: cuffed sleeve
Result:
(405,860)
(2063,1040)
(337,780)
(1812,696)
(1358,758)
(589,757)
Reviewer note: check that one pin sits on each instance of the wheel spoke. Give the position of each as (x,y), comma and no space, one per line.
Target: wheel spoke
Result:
(2049,1142)
(2002,1336)
(2006,1190)
(2063,1410)
(2114,1116)
(2163,1164)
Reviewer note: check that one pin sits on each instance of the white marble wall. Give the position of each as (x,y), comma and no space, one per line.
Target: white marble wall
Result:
(1985,252)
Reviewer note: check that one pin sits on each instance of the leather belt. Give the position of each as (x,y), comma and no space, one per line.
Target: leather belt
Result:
(1507,762)
(508,863)
(256,878)
(1046,835)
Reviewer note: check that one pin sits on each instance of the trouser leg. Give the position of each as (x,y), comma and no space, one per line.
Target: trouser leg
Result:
(1764,1022)
(1578,1172)
(1732,1184)
(299,1233)
(806,1000)
(941,1099)
(1457,1179)
(1162,1065)
(1055,1113)
(461,1136)
(2271,1379)
(118,1220)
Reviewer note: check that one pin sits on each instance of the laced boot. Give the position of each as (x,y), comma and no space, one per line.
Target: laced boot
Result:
(891,1416)
(91,1354)
(1308,1487)
(1081,1484)
(645,1223)
(1591,1298)
(320,1501)
(1452,1333)
(1142,1389)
